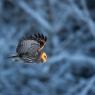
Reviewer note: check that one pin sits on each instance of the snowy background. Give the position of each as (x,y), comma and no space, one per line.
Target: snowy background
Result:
(70,27)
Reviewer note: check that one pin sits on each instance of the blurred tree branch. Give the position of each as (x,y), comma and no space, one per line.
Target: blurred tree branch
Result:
(34,14)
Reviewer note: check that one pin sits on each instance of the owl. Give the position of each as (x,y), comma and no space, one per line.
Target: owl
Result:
(30,48)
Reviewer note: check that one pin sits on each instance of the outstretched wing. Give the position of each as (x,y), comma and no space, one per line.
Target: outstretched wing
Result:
(38,38)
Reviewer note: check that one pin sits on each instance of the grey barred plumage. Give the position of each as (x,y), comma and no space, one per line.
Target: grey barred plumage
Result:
(27,49)
(30,47)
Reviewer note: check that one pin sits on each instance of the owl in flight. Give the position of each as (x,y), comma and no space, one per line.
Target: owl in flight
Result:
(30,48)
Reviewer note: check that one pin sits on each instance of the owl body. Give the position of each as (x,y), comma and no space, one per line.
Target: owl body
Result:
(29,49)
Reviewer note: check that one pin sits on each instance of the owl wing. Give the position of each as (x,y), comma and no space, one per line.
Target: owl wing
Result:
(37,38)
(27,50)
(26,46)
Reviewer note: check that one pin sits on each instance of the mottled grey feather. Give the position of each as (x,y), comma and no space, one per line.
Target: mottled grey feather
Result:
(27,49)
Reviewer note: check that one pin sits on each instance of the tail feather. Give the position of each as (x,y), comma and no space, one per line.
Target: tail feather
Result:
(12,56)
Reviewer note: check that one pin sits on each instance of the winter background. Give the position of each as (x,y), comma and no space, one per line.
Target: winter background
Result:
(70,27)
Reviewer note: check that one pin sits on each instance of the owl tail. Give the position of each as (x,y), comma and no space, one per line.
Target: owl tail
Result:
(13,56)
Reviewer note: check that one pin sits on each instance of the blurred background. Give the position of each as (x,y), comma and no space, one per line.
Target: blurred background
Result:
(70,27)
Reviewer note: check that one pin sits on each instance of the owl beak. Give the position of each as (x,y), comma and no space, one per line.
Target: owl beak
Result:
(44,60)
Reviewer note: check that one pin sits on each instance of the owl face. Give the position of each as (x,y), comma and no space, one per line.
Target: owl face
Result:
(43,57)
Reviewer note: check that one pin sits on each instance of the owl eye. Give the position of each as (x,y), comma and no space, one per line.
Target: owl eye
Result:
(45,56)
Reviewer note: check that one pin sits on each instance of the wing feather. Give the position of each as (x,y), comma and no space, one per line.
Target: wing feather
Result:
(27,46)
(31,43)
